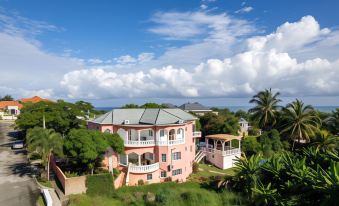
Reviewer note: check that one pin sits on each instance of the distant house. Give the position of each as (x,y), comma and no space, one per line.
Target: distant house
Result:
(170,106)
(244,126)
(34,99)
(9,109)
(196,108)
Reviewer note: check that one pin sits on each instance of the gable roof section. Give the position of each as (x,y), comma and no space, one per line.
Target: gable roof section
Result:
(144,116)
(4,104)
(194,107)
(34,99)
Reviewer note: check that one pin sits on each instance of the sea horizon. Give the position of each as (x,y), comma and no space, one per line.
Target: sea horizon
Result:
(236,108)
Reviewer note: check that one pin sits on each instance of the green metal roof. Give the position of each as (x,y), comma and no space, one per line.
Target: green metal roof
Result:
(145,116)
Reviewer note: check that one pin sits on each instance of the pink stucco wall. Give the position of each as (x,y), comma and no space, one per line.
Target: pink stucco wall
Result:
(187,152)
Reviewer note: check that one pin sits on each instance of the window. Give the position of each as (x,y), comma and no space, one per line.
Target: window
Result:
(162,133)
(179,131)
(163,174)
(191,148)
(163,157)
(176,155)
(149,176)
(185,148)
(107,131)
(150,133)
(176,172)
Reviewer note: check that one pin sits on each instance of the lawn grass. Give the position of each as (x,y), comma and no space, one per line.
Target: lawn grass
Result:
(194,192)
(206,171)
(162,194)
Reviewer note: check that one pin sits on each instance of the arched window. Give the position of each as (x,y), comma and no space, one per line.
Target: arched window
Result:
(180,133)
(107,131)
(171,134)
(133,158)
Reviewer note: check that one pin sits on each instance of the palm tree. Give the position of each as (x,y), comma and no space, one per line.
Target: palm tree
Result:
(300,121)
(266,109)
(44,142)
(325,141)
(333,122)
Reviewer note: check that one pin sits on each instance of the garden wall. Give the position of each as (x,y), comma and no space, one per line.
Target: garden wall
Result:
(73,185)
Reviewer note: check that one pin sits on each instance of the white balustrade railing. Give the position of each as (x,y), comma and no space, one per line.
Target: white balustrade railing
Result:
(177,141)
(133,143)
(227,152)
(197,134)
(143,168)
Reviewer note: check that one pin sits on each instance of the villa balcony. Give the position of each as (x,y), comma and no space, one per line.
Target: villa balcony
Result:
(228,151)
(143,168)
(197,134)
(141,143)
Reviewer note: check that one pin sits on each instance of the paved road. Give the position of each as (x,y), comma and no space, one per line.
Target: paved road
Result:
(17,188)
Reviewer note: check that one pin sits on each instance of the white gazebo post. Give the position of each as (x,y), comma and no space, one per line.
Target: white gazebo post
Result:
(127,159)
(206,143)
(223,145)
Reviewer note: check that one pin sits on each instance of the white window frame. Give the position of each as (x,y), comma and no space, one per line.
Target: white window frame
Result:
(161,174)
(163,155)
(149,175)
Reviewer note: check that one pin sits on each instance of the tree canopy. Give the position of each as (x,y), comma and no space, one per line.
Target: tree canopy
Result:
(146,105)
(7,97)
(224,122)
(86,147)
(60,116)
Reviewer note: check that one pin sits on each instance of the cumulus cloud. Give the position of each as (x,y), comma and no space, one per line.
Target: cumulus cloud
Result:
(263,64)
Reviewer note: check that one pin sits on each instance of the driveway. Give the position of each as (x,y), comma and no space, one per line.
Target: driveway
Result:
(17,188)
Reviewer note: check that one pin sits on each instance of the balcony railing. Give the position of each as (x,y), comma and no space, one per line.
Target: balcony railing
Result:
(144,168)
(227,152)
(177,141)
(136,143)
(197,134)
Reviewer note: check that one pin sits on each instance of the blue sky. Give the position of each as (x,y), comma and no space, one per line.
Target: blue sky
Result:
(218,52)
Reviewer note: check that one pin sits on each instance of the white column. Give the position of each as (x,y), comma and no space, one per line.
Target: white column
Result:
(127,159)
(215,144)
(223,145)
(206,142)
(239,144)
(139,136)
(139,160)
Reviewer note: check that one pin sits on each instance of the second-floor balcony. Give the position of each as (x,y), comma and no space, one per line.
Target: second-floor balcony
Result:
(143,168)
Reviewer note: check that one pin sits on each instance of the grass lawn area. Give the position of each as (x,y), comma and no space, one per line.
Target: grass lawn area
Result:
(207,170)
(164,194)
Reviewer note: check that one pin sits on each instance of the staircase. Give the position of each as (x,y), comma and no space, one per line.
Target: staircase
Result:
(199,156)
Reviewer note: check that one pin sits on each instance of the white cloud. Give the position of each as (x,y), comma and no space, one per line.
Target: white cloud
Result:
(245,9)
(203,6)
(95,61)
(199,25)
(265,63)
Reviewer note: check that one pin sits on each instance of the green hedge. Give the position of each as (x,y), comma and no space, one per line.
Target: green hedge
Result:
(101,184)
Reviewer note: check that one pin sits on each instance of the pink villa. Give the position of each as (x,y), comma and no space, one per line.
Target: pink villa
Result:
(159,144)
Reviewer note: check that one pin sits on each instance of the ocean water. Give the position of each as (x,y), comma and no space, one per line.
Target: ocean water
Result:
(236,108)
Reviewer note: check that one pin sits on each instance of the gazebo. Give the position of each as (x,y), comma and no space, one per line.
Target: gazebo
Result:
(222,149)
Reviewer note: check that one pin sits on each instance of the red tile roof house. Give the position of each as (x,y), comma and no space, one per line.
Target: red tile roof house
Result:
(9,109)
(159,144)
(34,99)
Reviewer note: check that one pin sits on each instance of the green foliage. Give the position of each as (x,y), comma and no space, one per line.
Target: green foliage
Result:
(197,125)
(195,167)
(266,108)
(99,185)
(332,122)
(7,97)
(250,145)
(323,140)
(224,122)
(146,105)
(44,142)
(86,147)
(60,116)
(306,177)
(300,122)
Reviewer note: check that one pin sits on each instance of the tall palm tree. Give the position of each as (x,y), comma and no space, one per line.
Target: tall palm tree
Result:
(266,108)
(333,122)
(325,141)
(300,121)
(44,142)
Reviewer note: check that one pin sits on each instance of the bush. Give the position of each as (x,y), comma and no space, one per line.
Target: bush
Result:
(141,182)
(195,167)
(71,174)
(250,145)
(99,185)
